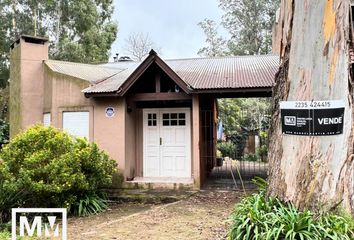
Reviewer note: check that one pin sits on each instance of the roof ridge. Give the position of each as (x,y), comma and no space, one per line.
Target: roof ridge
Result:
(77,63)
(221,57)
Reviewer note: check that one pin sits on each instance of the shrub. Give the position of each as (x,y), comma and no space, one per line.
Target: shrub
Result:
(55,169)
(5,235)
(251,157)
(227,149)
(265,218)
(10,199)
(238,138)
(4,132)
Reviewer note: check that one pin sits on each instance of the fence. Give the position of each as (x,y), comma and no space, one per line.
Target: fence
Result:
(237,159)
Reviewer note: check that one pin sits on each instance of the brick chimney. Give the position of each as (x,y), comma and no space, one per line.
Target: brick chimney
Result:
(26,82)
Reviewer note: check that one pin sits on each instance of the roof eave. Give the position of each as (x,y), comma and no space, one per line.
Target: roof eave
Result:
(234,90)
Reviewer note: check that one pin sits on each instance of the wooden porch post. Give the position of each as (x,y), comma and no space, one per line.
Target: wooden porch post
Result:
(195,141)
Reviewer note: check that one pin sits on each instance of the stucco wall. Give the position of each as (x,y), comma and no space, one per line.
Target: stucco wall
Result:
(48,86)
(15,92)
(32,81)
(109,131)
(26,84)
(130,141)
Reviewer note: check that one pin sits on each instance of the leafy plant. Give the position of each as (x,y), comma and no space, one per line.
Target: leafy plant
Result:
(4,132)
(54,168)
(266,218)
(5,235)
(250,157)
(89,204)
(9,200)
(261,183)
(227,149)
(238,138)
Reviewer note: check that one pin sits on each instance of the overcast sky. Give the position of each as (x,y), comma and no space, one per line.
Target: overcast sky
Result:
(171,24)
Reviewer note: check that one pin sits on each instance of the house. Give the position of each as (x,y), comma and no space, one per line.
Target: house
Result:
(157,117)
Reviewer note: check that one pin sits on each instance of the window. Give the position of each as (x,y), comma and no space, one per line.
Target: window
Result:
(173,119)
(46,119)
(76,123)
(152,119)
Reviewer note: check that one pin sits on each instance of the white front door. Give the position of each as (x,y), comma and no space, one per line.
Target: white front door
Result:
(167,143)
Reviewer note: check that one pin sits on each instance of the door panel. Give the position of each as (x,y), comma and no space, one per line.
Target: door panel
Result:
(151,144)
(172,137)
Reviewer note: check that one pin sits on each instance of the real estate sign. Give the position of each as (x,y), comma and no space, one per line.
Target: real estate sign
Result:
(312,118)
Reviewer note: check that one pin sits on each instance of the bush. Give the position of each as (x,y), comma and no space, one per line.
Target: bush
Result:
(238,138)
(5,235)
(227,149)
(263,218)
(251,157)
(4,132)
(53,168)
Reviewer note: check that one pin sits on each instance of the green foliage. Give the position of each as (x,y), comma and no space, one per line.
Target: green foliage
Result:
(4,125)
(4,132)
(249,113)
(54,168)
(5,235)
(79,30)
(227,149)
(89,204)
(230,114)
(263,218)
(250,157)
(261,184)
(10,199)
(238,138)
(262,151)
(249,24)
(216,45)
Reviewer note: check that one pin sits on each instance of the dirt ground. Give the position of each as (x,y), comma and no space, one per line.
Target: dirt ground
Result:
(203,215)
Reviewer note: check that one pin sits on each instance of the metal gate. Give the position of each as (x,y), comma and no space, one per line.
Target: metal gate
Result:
(241,159)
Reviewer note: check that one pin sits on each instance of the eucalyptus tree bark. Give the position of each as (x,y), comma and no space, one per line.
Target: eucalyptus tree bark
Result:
(313,172)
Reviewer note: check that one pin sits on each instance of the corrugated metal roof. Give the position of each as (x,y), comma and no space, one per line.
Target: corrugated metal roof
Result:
(227,72)
(114,82)
(208,73)
(199,73)
(88,72)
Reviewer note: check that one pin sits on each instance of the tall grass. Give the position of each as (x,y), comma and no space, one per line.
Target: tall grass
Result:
(258,217)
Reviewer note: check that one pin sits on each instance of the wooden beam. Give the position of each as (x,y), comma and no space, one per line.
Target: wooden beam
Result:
(162,96)
(158,82)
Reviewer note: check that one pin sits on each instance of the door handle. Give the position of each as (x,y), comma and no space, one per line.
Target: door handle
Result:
(160,141)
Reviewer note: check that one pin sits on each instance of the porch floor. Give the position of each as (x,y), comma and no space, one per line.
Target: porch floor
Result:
(162,180)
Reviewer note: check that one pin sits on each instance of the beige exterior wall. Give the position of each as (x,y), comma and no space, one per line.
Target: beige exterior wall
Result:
(109,132)
(15,116)
(26,84)
(130,144)
(139,142)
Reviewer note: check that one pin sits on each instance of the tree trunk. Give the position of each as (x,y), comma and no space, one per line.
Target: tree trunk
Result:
(314,172)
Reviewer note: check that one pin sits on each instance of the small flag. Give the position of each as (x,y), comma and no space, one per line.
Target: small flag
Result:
(220,131)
